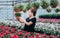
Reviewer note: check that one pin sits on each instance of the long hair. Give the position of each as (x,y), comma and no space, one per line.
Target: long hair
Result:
(33,11)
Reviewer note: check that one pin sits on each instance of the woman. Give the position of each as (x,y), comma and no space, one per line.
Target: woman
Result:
(30,21)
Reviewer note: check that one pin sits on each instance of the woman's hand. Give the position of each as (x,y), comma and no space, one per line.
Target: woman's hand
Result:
(17,18)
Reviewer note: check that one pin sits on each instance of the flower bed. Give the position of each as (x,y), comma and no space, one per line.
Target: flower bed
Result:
(9,32)
(49,20)
(46,29)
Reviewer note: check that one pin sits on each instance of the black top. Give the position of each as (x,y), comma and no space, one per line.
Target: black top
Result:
(30,28)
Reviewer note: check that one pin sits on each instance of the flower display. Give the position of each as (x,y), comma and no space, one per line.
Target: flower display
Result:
(42,30)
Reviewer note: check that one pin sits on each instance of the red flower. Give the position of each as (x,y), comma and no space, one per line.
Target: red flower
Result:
(15,36)
(55,36)
(6,32)
(31,36)
(20,32)
(27,33)
(0,28)
(2,34)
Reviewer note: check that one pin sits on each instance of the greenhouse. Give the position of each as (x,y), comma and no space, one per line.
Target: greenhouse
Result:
(29,19)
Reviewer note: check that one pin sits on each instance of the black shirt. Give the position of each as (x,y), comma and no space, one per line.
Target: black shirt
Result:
(30,28)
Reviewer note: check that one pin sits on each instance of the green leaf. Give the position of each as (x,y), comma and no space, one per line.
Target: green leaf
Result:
(7,36)
(44,4)
(18,14)
(36,4)
(28,6)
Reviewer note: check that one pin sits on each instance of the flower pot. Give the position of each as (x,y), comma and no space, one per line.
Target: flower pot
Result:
(44,4)
(48,9)
(54,6)
(57,10)
(35,5)
(28,6)
(54,3)
(18,8)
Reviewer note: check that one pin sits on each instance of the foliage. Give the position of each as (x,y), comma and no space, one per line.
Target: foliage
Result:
(48,9)
(28,6)
(57,10)
(21,7)
(44,4)
(36,4)
(18,14)
(55,16)
(54,3)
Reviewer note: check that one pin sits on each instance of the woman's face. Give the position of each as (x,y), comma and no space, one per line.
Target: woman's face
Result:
(30,13)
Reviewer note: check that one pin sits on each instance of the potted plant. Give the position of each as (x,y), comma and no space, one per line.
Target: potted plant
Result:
(48,9)
(15,8)
(18,8)
(57,10)
(17,15)
(21,7)
(54,3)
(24,10)
(48,32)
(35,5)
(28,6)
(44,4)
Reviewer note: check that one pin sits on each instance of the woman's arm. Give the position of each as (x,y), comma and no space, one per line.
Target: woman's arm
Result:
(24,21)
(28,23)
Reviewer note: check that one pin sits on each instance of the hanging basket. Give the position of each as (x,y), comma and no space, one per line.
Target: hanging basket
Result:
(48,10)
(35,5)
(15,8)
(21,7)
(28,6)
(54,3)
(44,4)
(57,10)
(18,14)
(18,8)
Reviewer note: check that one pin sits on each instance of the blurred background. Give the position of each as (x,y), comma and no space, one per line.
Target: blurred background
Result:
(7,8)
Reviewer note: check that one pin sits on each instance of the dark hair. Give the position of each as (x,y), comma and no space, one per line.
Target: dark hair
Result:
(34,12)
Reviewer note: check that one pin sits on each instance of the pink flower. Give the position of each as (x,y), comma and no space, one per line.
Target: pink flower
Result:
(31,36)
(55,36)
(15,36)
(6,32)
(20,32)
(2,34)
(27,33)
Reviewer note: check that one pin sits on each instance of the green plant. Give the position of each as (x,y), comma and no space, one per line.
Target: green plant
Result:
(57,10)
(15,8)
(58,22)
(48,9)
(18,8)
(18,14)
(44,4)
(55,16)
(24,10)
(7,36)
(54,3)
(21,7)
(36,4)
(28,6)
